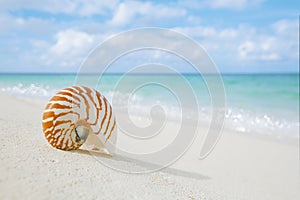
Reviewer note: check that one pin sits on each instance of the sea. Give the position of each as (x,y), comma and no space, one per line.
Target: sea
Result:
(265,104)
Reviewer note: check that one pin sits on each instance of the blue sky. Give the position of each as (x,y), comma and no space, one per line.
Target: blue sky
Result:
(242,36)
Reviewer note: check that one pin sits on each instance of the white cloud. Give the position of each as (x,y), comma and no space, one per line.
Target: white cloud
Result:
(87,8)
(52,6)
(286,27)
(33,26)
(193,19)
(122,15)
(246,48)
(210,37)
(75,7)
(264,48)
(247,44)
(69,48)
(220,4)
(71,42)
(128,10)
(233,4)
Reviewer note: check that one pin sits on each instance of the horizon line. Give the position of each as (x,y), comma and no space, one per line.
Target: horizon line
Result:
(150,73)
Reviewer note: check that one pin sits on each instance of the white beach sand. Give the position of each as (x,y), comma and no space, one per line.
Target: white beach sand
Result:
(240,167)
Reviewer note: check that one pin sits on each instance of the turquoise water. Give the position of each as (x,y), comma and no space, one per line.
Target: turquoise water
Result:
(259,102)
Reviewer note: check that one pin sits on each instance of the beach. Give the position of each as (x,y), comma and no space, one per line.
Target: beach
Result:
(240,167)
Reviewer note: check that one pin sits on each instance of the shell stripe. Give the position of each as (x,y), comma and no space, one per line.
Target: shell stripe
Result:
(64,99)
(104,117)
(91,98)
(87,106)
(110,112)
(67,94)
(111,130)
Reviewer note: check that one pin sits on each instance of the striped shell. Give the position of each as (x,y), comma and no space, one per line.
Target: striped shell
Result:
(74,115)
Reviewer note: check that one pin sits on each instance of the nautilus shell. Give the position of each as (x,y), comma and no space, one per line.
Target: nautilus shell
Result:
(77,115)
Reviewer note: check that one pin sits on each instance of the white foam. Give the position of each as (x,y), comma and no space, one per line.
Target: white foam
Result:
(36,91)
(139,107)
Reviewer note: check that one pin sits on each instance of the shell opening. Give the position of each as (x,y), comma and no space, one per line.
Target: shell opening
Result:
(82,133)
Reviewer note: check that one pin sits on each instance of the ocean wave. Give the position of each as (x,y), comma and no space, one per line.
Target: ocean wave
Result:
(32,90)
(240,120)
(237,119)
(246,121)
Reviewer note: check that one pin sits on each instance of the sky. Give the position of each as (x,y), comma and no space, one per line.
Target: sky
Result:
(240,36)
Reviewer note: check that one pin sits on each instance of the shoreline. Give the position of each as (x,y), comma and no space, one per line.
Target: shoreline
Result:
(277,137)
(240,167)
